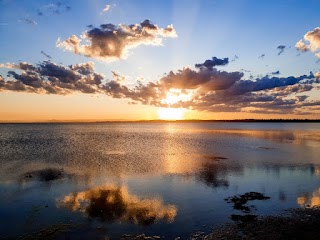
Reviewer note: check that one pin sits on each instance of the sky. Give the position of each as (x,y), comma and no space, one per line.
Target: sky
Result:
(160,59)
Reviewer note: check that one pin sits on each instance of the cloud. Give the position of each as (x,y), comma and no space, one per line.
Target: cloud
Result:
(110,42)
(276,73)
(106,8)
(53,9)
(28,21)
(262,56)
(21,65)
(309,200)
(117,77)
(281,49)
(234,58)
(46,55)
(212,63)
(207,79)
(214,90)
(110,204)
(50,78)
(313,37)
(300,45)
(310,42)
(203,89)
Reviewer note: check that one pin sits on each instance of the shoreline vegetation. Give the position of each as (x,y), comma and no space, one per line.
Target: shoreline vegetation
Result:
(164,121)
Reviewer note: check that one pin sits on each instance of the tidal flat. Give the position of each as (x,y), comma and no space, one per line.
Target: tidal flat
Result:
(159,180)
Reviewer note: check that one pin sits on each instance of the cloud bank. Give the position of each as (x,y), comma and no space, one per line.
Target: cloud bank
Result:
(51,78)
(204,88)
(110,42)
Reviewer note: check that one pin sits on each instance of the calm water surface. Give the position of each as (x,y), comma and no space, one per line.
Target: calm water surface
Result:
(165,179)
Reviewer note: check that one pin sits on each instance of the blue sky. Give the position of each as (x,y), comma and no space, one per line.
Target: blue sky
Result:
(205,29)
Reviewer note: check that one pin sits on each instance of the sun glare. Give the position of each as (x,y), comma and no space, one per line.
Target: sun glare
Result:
(176,95)
(171,113)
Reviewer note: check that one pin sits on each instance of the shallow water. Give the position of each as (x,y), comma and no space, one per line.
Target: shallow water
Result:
(165,179)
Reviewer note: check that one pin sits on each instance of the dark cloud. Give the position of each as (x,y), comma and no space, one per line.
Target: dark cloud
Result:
(262,56)
(46,55)
(109,42)
(281,49)
(51,78)
(265,83)
(212,63)
(276,73)
(53,9)
(207,79)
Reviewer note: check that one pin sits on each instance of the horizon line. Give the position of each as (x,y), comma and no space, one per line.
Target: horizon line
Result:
(157,120)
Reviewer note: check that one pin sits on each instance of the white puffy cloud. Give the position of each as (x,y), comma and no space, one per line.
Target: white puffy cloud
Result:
(110,42)
(311,42)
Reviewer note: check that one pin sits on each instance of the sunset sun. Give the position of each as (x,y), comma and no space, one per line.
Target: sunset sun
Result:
(171,113)
(174,96)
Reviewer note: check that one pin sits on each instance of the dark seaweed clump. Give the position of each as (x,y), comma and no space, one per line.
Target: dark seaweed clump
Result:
(240,203)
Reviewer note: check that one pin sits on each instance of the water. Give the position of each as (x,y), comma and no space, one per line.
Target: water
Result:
(165,179)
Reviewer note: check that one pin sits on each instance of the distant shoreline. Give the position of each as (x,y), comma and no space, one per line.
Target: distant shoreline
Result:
(161,121)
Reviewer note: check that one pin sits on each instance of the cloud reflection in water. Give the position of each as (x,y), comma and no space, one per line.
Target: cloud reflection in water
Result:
(109,203)
(310,200)
(213,175)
